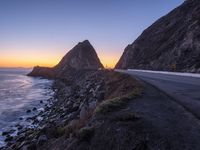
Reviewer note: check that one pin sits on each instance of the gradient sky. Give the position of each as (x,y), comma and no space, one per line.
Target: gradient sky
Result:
(40,32)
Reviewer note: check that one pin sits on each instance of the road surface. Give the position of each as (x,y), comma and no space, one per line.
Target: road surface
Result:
(169,110)
(183,89)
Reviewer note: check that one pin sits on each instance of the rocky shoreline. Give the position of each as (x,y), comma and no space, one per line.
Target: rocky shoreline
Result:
(80,103)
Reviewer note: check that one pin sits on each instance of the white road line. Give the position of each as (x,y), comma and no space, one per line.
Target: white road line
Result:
(196,75)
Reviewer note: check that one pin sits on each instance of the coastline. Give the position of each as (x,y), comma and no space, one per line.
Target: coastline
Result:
(78,101)
(22,98)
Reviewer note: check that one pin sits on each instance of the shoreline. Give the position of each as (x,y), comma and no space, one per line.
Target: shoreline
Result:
(76,104)
(20,118)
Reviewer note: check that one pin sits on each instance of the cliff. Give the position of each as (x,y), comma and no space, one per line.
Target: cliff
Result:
(171,43)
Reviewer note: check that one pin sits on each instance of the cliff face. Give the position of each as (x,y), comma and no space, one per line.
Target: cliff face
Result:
(82,57)
(171,43)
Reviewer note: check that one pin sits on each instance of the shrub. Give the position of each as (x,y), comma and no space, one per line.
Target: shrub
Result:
(117,103)
(85,134)
(129,116)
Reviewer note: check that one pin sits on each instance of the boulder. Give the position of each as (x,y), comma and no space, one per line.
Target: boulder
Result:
(42,139)
(83,112)
(92,105)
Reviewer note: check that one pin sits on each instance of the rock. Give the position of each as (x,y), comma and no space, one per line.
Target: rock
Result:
(23,144)
(21,138)
(41,110)
(41,140)
(42,72)
(19,127)
(72,109)
(5,133)
(171,43)
(100,96)
(8,138)
(73,115)
(92,105)
(73,122)
(69,103)
(76,104)
(83,112)
(34,109)
(92,91)
(41,102)
(31,146)
(82,56)
(99,87)
(28,111)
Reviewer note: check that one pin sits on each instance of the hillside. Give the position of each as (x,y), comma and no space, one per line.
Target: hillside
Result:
(171,43)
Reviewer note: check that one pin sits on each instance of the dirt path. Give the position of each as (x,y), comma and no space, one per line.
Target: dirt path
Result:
(168,124)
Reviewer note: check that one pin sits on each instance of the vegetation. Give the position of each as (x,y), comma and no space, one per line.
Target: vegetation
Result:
(117,103)
(85,134)
(128,116)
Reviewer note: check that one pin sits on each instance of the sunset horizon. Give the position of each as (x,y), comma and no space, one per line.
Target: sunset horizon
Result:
(42,34)
(30,61)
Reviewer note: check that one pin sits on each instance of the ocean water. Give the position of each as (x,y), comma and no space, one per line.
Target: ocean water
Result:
(18,93)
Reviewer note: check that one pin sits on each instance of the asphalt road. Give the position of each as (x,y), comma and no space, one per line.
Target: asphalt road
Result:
(169,110)
(184,90)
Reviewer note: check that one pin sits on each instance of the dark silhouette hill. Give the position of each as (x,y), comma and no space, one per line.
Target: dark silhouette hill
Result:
(82,57)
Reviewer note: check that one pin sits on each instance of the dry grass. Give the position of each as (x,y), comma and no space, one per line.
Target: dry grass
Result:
(73,128)
(118,84)
(117,103)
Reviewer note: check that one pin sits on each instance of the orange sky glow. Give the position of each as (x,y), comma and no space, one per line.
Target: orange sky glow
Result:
(30,59)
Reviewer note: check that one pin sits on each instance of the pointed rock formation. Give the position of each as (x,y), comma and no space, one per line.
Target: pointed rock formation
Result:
(82,57)
(172,43)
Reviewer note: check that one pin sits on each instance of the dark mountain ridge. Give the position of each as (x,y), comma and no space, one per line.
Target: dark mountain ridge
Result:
(171,43)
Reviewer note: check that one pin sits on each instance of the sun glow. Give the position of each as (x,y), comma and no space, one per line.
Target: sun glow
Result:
(109,60)
(30,58)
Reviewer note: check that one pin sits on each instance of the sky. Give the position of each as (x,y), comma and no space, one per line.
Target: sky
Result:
(41,32)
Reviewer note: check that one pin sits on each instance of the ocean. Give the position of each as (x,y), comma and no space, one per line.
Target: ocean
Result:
(19,93)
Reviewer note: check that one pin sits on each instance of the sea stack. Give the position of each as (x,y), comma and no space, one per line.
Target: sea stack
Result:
(82,57)
(170,44)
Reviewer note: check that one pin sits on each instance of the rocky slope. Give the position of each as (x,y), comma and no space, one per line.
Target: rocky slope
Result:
(82,56)
(171,43)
